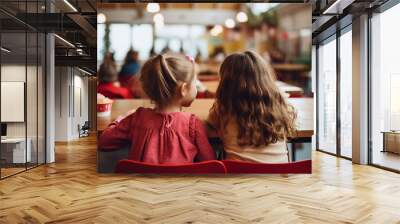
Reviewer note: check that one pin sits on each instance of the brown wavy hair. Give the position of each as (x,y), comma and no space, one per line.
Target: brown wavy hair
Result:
(161,75)
(248,93)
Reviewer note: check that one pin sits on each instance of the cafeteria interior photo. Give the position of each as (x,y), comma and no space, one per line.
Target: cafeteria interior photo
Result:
(75,77)
(279,33)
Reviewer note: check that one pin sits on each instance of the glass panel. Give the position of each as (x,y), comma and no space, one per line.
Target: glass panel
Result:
(13,85)
(22,89)
(385,84)
(327,97)
(142,40)
(31,97)
(101,31)
(160,44)
(120,44)
(346,94)
(314,90)
(41,99)
(188,39)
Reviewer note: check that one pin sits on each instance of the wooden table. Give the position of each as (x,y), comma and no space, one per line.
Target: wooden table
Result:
(211,86)
(290,67)
(287,88)
(201,107)
(391,141)
(213,67)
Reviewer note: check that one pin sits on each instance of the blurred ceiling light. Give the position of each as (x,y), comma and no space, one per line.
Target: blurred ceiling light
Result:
(70,5)
(65,41)
(158,20)
(5,50)
(230,23)
(241,17)
(101,18)
(216,30)
(153,7)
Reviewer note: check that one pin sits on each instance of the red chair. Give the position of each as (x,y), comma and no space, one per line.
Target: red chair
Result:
(264,168)
(130,166)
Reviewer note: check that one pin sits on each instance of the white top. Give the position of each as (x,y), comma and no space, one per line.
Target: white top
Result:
(272,153)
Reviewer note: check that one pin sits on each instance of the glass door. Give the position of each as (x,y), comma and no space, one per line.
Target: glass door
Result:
(14,153)
(22,78)
(385,89)
(346,92)
(326,96)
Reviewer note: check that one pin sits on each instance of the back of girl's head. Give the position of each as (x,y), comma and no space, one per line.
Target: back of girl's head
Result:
(161,75)
(107,72)
(131,56)
(248,93)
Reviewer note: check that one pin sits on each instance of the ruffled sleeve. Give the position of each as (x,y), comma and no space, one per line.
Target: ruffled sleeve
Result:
(119,132)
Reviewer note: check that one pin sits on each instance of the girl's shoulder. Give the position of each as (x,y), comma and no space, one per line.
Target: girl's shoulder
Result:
(180,115)
(185,116)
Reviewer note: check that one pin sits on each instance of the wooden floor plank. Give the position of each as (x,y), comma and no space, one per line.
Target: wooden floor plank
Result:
(71,191)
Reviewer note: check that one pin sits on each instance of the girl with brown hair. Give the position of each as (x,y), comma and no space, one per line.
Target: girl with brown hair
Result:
(129,73)
(108,80)
(250,113)
(163,135)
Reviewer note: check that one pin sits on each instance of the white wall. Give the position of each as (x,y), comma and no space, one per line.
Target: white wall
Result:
(71,102)
(61,104)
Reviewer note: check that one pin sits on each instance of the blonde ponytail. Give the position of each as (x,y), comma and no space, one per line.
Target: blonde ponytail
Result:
(161,75)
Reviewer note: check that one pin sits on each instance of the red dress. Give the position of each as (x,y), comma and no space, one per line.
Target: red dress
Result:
(113,92)
(160,138)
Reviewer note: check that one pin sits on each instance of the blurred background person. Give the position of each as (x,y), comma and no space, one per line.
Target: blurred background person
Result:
(218,54)
(129,74)
(280,32)
(109,85)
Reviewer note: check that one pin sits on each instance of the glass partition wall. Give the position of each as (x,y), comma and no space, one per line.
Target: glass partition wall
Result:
(345,65)
(22,88)
(326,98)
(385,89)
(334,94)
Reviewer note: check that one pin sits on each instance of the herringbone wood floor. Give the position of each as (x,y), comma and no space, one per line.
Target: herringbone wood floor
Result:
(70,191)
